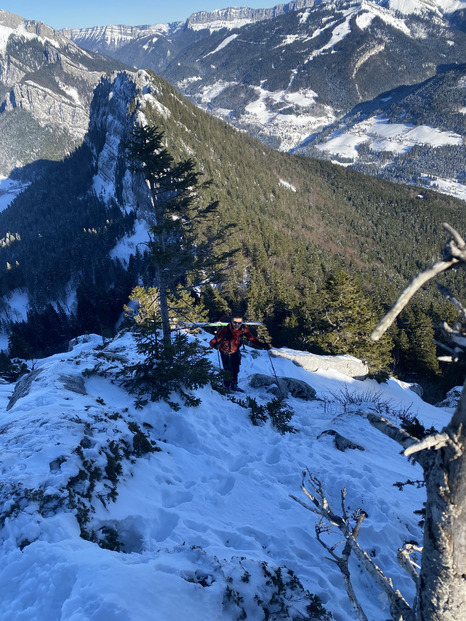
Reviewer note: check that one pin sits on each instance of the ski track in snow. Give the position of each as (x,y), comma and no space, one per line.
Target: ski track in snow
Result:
(214,499)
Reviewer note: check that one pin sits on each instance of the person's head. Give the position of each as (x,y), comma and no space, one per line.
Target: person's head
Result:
(237,321)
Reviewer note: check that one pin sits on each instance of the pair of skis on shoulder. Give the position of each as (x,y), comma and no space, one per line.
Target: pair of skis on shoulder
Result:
(216,324)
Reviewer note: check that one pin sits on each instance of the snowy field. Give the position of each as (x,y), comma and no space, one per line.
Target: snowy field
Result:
(9,190)
(385,136)
(201,527)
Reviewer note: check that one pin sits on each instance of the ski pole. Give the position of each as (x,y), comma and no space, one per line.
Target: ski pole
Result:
(275,375)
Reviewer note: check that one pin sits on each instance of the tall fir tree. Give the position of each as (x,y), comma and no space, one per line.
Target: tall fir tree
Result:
(343,321)
(186,235)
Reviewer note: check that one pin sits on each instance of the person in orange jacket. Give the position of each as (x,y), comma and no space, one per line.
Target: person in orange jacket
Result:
(228,341)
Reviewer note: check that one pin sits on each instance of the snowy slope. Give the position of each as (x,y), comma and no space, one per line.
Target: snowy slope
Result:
(203,522)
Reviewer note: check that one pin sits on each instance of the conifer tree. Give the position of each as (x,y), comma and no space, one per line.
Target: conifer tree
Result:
(186,235)
(345,319)
(416,345)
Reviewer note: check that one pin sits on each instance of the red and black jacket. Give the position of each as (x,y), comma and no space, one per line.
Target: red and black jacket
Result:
(228,340)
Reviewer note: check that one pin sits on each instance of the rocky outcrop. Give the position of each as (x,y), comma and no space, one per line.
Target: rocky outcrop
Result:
(73,383)
(341,443)
(239,16)
(283,386)
(23,387)
(110,121)
(347,365)
(106,39)
(452,398)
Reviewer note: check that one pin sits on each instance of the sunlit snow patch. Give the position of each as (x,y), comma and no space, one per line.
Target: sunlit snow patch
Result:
(9,190)
(385,136)
(223,44)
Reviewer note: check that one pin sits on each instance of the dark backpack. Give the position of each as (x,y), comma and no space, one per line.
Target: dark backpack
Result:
(225,343)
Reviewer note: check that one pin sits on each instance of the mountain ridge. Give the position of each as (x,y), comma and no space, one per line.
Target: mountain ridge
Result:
(287,78)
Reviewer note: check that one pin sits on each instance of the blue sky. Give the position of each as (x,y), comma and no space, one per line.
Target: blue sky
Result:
(83,13)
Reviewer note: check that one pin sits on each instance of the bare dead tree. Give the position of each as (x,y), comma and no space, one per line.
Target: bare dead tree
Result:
(441,593)
(350,526)
(441,577)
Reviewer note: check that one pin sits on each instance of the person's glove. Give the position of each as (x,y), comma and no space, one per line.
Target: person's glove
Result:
(267,347)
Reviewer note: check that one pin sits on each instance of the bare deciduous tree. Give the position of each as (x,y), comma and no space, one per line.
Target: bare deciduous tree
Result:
(349,526)
(441,593)
(441,577)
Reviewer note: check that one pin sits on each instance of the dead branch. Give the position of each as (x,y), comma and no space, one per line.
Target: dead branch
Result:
(451,298)
(455,334)
(456,246)
(392,431)
(407,294)
(405,560)
(438,441)
(343,565)
(320,506)
(412,446)
(454,253)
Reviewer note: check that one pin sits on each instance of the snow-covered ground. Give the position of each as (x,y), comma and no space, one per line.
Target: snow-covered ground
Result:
(385,136)
(200,527)
(397,138)
(9,190)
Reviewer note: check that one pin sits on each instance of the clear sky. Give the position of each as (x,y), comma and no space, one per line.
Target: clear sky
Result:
(83,13)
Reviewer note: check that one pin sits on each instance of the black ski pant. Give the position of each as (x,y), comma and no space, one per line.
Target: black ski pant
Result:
(231,363)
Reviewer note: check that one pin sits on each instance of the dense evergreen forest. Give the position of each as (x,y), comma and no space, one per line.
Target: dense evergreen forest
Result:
(317,243)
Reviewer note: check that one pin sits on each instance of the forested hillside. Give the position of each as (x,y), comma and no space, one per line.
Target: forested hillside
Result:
(298,221)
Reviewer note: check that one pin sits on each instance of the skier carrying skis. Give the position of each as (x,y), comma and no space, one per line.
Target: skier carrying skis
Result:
(228,341)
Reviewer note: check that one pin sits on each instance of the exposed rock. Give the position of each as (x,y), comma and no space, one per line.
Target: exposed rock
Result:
(284,387)
(348,365)
(47,81)
(419,390)
(341,442)
(23,387)
(452,398)
(259,380)
(74,383)
(300,389)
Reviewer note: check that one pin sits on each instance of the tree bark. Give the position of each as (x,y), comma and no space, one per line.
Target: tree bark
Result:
(442,584)
(160,274)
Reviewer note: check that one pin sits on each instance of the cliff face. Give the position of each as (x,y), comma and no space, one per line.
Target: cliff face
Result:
(235,17)
(117,104)
(46,86)
(111,38)
(108,39)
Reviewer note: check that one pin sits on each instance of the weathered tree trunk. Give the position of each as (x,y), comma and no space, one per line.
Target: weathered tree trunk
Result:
(442,585)
(160,274)
(441,594)
(163,300)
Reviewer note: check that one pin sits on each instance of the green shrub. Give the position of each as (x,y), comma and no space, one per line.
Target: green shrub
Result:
(168,368)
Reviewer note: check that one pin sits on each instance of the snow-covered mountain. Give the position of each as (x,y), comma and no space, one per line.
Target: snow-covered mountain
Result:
(412,134)
(286,78)
(111,512)
(112,37)
(46,85)
(108,39)
(286,74)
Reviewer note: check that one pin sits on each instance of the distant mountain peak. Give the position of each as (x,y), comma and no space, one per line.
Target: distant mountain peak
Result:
(425,6)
